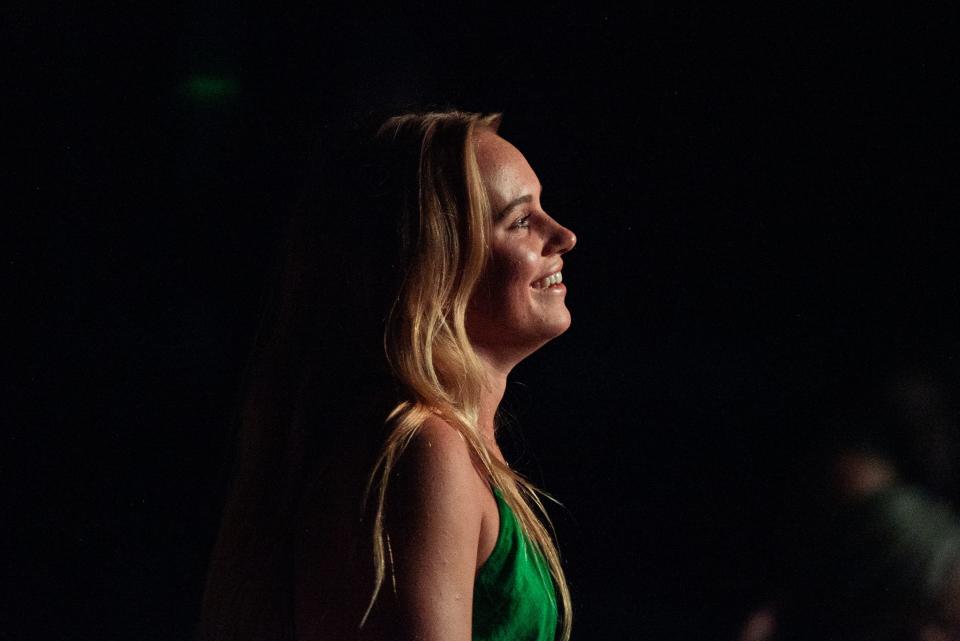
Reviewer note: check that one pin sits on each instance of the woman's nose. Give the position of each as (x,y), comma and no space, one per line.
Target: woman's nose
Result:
(562,240)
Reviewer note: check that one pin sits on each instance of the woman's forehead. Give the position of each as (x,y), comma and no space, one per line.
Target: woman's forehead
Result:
(506,173)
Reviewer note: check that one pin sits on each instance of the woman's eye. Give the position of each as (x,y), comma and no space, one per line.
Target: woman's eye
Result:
(522,222)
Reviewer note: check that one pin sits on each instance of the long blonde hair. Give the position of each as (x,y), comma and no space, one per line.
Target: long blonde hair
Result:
(425,338)
(388,244)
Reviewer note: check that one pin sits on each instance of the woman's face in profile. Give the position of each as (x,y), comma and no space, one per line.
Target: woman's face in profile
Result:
(518,304)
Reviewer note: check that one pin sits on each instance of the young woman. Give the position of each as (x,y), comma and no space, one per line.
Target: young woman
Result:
(370,498)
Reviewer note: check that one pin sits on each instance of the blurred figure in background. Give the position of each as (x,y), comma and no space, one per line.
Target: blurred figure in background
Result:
(878,558)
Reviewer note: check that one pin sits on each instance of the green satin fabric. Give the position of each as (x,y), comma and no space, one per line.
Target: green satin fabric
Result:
(513,595)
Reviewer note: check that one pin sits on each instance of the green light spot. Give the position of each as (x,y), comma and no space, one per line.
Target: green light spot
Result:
(208,88)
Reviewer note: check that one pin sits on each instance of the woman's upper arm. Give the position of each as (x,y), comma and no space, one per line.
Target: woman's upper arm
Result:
(433,520)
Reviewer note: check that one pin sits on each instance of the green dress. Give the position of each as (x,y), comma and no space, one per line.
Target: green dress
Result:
(513,596)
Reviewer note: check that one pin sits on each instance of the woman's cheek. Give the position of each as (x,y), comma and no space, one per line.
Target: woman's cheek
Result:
(520,273)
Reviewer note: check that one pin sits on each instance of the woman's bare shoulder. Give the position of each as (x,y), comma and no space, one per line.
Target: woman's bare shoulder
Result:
(438,460)
(434,518)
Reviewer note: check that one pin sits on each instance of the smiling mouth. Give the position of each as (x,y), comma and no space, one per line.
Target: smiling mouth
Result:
(550,281)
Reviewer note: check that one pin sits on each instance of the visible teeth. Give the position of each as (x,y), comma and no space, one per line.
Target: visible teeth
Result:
(549,280)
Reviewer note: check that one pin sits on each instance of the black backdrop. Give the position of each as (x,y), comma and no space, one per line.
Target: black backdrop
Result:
(766,212)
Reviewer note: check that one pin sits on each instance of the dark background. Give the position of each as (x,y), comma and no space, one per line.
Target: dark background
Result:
(766,212)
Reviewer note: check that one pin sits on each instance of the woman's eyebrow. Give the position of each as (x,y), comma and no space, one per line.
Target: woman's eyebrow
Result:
(513,203)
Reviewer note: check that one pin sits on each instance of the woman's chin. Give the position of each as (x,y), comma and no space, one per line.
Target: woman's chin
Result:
(563,323)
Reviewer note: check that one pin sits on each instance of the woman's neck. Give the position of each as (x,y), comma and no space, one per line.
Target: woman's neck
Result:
(491,396)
